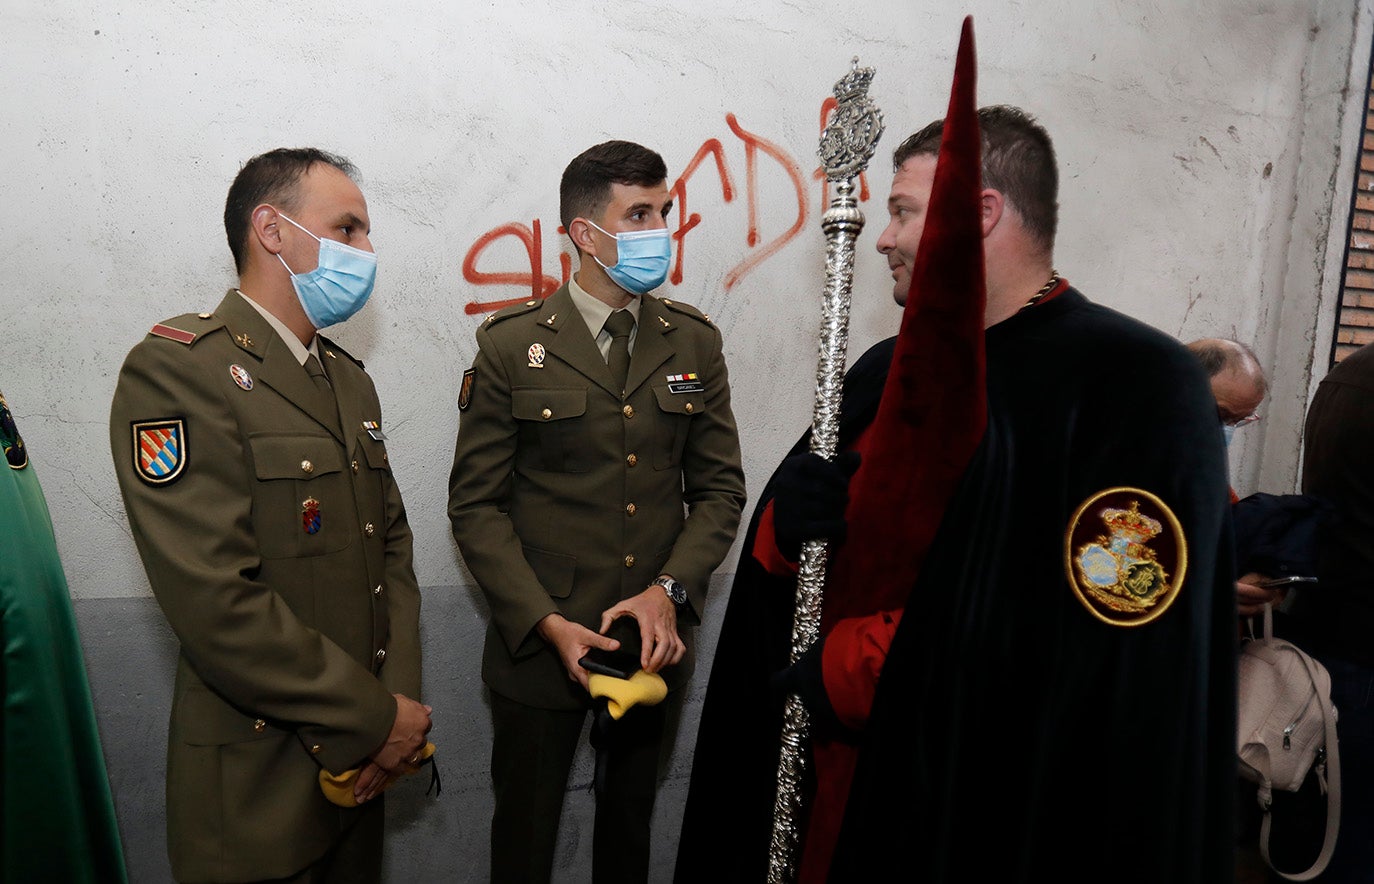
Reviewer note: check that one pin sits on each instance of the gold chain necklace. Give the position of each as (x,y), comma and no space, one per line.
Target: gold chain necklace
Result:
(1044,290)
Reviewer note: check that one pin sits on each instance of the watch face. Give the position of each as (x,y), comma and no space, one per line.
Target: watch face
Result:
(675,591)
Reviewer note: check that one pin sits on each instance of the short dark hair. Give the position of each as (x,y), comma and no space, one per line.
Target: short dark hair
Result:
(1018,161)
(586,186)
(270,178)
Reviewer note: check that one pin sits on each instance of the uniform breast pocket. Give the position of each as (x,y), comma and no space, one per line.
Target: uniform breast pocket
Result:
(552,433)
(302,502)
(672,422)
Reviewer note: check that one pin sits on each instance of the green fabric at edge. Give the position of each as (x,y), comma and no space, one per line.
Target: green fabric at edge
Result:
(57,818)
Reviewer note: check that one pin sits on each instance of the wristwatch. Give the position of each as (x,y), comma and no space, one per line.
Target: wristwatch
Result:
(676,591)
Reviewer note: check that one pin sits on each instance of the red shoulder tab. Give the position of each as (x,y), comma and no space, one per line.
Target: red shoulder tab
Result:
(172,334)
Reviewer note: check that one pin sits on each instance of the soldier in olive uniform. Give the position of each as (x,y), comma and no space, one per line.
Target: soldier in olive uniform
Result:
(596,476)
(252,462)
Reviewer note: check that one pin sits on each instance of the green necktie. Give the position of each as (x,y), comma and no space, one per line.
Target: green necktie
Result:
(619,324)
(328,401)
(316,371)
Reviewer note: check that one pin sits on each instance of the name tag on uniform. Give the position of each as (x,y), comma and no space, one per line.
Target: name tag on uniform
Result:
(685,383)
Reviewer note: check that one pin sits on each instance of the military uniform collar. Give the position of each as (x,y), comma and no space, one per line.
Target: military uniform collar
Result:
(298,350)
(594,310)
(245,325)
(276,365)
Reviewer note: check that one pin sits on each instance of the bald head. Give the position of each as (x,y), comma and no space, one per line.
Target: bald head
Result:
(1238,383)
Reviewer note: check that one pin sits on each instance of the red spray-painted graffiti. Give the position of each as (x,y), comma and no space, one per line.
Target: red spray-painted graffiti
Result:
(686,222)
(540,285)
(752,145)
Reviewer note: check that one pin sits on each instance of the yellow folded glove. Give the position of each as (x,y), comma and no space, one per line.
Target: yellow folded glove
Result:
(338,788)
(641,689)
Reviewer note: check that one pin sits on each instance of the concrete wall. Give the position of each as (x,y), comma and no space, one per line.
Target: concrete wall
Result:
(1206,153)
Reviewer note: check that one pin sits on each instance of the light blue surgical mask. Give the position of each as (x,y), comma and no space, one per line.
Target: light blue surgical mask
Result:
(339,286)
(1228,432)
(642,258)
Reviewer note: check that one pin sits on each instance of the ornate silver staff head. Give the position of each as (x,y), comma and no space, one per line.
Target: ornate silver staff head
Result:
(851,136)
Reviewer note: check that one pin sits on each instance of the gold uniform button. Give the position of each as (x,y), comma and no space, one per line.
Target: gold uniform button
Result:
(381,654)
(631,459)
(628,411)
(307,467)
(629,509)
(316,749)
(204,315)
(687,408)
(546,413)
(354,466)
(369,530)
(377,590)
(384,457)
(629,561)
(259,725)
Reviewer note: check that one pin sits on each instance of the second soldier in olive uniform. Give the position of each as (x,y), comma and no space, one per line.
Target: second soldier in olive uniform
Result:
(578,497)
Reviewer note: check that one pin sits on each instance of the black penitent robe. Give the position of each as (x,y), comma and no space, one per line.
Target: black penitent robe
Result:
(1016,736)
(729,810)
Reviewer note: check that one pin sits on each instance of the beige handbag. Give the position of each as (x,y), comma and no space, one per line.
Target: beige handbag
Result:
(1286,726)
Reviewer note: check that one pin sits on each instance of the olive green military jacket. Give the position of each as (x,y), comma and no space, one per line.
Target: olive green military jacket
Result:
(567,497)
(276,543)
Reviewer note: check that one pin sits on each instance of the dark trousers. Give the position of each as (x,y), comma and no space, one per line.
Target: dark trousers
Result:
(532,754)
(1352,693)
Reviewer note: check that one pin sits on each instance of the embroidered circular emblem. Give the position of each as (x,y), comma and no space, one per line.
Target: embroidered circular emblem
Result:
(1125,556)
(241,376)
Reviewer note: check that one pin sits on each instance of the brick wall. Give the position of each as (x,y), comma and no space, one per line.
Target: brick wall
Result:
(1356,325)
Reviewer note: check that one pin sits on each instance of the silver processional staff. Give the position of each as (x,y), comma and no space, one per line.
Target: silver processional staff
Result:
(847,144)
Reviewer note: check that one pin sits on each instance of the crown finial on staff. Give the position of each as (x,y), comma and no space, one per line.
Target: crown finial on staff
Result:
(851,136)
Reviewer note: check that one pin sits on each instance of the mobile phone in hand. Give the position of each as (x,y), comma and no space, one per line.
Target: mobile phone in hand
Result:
(617,664)
(622,662)
(1286,581)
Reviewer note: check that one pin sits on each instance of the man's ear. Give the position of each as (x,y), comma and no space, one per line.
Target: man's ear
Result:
(581,232)
(994,205)
(266,226)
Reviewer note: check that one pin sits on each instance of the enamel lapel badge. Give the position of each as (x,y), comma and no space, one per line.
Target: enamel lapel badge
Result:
(310,515)
(241,376)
